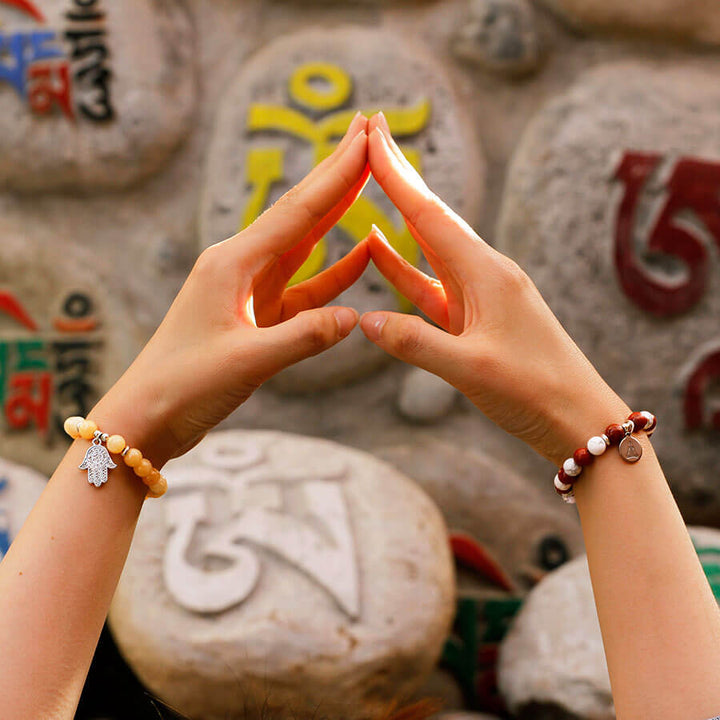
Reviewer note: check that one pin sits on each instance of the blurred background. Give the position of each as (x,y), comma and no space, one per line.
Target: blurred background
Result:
(357,536)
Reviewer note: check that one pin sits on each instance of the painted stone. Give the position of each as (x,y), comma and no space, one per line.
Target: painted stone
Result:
(554,662)
(20,488)
(286,111)
(491,512)
(284,572)
(424,397)
(499,36)
(58,353)
(685,20)
(611,205)
(94,95)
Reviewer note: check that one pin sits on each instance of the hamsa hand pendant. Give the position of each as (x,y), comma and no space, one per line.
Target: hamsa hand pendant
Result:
(97,462)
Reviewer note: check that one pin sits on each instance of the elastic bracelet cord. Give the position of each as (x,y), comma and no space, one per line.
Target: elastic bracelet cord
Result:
(97,460)
(629,449)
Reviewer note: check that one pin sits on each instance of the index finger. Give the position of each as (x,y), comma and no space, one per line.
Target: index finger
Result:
(445,232)
(297,212)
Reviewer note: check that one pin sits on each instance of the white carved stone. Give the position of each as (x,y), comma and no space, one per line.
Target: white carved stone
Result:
(554,661)
(20,488)
(314,572)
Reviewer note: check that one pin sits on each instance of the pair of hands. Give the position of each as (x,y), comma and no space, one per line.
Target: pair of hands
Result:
(235,323)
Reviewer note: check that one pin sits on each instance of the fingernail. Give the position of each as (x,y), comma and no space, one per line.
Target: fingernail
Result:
(372,325)
(346,319)
(380,234)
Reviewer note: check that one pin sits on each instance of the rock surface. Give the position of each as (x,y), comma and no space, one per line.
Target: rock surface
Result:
(63,340)
(555,662)
(688,20)
(286,110)
(526,533)
(499,36)
(129,80)
(424,397)
(627,161)
(20,488)
(285,572)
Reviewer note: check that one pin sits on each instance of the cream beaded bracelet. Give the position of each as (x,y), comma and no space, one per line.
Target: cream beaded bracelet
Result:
(97,459)
(629,449)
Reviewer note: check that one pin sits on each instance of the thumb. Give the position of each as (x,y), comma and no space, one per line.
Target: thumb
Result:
(307,333)
(411,339)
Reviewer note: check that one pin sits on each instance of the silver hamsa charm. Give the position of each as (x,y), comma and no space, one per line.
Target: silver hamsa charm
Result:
(97,462)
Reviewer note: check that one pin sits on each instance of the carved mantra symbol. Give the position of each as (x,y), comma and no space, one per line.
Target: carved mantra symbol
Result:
(692,187)
(319,543)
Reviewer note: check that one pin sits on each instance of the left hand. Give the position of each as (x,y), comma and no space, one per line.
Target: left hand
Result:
(234,323)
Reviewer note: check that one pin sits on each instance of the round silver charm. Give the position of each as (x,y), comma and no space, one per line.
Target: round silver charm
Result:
(630,449)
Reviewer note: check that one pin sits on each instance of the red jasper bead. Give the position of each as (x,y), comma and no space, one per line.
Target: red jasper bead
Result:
(638,420)
(583,457)
(614,433)
(565,478)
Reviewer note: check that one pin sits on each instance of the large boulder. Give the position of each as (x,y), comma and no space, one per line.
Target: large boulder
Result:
(686,20)
(552,664)
(611,206)
(284,572)
(94,95)
(286,110)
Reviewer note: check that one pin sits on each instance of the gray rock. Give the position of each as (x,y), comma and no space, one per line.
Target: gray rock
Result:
(527,533)
(424,397)
(499,36)
(632,144)
(685,20)
(129,99)
(284,572)
(287,108)
(555,662)
(20,488)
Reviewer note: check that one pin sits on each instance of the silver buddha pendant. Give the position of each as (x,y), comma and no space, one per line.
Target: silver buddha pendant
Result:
(97,462)
(630,449)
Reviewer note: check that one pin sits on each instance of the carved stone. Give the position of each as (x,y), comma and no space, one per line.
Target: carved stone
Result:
(611,206)
(285,570)
(20,488)
(93,96)
(285,112)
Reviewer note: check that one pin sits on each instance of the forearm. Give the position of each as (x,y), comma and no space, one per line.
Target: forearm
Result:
(660,622)
(59,576)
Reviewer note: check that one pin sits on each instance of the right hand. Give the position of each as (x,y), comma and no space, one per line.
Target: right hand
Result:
(497,342)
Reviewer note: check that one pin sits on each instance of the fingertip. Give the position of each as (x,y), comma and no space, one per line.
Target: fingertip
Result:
(346,319)
(372,324)
(376,232)
(382,120)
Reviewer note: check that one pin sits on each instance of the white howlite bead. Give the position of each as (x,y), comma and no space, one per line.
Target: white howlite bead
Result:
(560,485)
(596,445)
(571,468)
(569,498)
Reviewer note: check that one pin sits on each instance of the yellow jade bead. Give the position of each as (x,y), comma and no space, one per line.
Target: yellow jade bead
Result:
(133,457)
(86,429)
(152,478)
(71,426)
(158,488)
(144,468)
(115,443)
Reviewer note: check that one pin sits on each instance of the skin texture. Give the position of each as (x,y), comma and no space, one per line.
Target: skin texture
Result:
(494,338)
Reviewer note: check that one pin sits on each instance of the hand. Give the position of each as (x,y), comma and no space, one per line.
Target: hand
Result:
(497,342)
(234,324)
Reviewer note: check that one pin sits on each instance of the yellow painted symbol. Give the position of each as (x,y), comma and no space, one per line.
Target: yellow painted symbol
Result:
(323,87)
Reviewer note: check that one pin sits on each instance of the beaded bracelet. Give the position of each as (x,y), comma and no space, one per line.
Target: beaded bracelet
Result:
(629,449)
(97,459)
